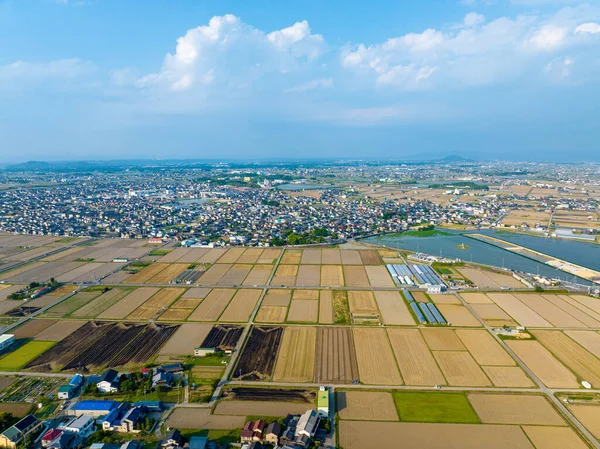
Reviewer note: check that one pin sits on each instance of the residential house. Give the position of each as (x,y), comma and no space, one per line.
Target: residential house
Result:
(109,382)
(272,433)
(17,433)
(162,379)
(308,424)
(82,425)
(173,440)
(173,368)
(66,441)
(65,391)
(123,419)
(50,436)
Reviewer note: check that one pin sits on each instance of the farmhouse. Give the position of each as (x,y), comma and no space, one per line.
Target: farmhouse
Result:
(50,436)
(253,431)
(308,424)
(123,419)
(173,440)
(16,434)
(272,433)
(109,382)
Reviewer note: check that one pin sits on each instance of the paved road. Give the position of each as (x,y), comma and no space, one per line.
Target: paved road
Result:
(31,374)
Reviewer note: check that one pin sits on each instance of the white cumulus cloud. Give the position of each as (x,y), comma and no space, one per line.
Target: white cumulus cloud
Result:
(590,27)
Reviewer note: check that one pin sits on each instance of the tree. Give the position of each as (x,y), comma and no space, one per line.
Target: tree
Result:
(7,420)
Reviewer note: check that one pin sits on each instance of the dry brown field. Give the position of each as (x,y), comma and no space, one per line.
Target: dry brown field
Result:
(63,290)
(420,296)
(277,298)
(440,339)
(285,275)
(484,349)
(271,314)
(490,312)
(393,308)
(372,434)
(214,274)
(231,255)
(356,276)
(445,299)
(515,409)
(186,303)
(145,274)
(303,311)
(172,314)
(366,406)
(236,275)
(458,315)
(296,359)
(379,276)
(589,303)
(488,279)
(31,328)
(370,257)
(362,302)
(101,303)
(212,256)
(71,304)
(508,376)
(188,337)
(588,415)
(311,257)
(260,408)
(351,257)
(519,311)
(476,298)
(590,340)
(554,437)
(251,255)
(162,299)
(201,418)
(517,217)
(291,257)
(332,276)
(17,409)
(305,294)
(460,369)
(553,314)
(269,255)
(213,305)
(168,274)
(174,255)
(579,312)
(326,307)
(308,276)
(417,365)
(376,362)
(59,330)
(207,372)
(130,303)
(543,364)
(331,257)
(336,358)
(259,275)
(241,306)
(574,356)
(196,292)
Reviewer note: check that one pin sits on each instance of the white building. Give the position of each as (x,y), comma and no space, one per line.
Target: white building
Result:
(83,425)
(6,340)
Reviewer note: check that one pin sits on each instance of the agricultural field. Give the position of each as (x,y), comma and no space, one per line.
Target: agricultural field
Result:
(537,310)
(296,360)
(201,418)
(31,328)
(70,305)
(21,356)
(285,275)
(260,408)
(213,305)
(222,337)
(376,362)
(335,356)
(59,330)
(258,358)
(393,308)
(241,306)
(188,337)
(489,279)
(98,344)
(144,275)
(303,311)
(366,405)
(99,304)
(129,303)
(159,302)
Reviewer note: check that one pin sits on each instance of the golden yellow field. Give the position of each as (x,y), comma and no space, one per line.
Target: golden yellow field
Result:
(484,349)
(417,365)
(306,294)
(440,339)
(508,376)
(588,415)
(285,275)
(241,306)
(271,314)
(326,307)
(145,274)
(291,257)
(379,276)
(296,359)
(356,276)
(458,315)
(303,311)
(332,276)
(213,305)
(168,274)
(554,437)
(277,298)
(366,405)
(460,369)
(376,362)
(162,299)
(515,409)
(362,302)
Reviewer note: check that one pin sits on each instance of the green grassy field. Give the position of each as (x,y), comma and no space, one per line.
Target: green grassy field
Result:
(24,354)
(435,407)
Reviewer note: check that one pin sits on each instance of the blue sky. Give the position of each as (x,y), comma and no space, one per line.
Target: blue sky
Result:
(108,79)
